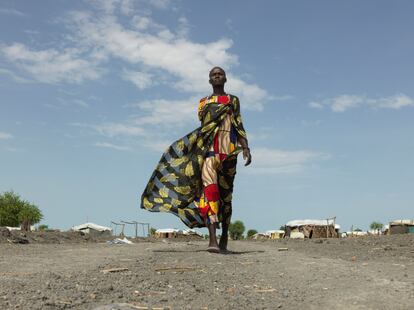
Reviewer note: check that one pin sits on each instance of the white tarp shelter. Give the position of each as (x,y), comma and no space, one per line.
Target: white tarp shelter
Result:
(88,227)
(356,233)
(270,234)
(191,232)
(32,228)
(168,231)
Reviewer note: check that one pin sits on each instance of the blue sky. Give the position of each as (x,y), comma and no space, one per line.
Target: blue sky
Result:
(93,91)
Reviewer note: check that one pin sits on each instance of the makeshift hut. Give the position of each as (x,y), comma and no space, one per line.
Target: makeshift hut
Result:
(259,236)
(193,234)
(270,234)
(177,233)
(356,233)
(167,233)
(93,230)
(275,234)
(401,227)
(312,229)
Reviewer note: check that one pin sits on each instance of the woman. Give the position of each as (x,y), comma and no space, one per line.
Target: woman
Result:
(194,178)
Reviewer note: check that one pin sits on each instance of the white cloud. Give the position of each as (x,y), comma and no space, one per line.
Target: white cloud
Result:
(125,7)
(5,135)
(31,32)
(183,28)
(12,12)
(112,146)
(282,98)
(141,22)
(147,47)
(118,129)
(342,103)
(160,4)
(141,79)
(157,119)
(183,64)
(394,102)
(316,105)
(157,145)
(14,76)
(345,102)
(152,52)
(12,149)
(81,103)
(261,134)
(112,130)
(167,112)
(274,161)
(51,65)
(338,104)
(252,97)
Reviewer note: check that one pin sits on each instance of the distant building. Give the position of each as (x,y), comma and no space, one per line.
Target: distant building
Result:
(32,228)
(176,233)
(270,234)
(356,233)
(401,227)
(259,236)
(275,234)
(93,229)
(312,229)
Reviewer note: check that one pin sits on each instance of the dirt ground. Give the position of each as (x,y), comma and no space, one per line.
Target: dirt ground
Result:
(359,273)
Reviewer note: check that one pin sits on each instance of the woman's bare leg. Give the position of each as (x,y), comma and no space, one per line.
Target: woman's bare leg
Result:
(224,236)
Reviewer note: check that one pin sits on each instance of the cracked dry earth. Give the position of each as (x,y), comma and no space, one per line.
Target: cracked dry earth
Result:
(359,273)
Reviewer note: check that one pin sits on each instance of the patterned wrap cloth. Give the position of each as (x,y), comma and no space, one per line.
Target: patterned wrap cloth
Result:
(176,185)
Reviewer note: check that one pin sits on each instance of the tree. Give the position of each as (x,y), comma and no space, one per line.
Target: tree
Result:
(283,227)
(43,227)
(251,233)
(236,230)
(152,231)
(376,226)
(10,206)
(29,215)
(15,211)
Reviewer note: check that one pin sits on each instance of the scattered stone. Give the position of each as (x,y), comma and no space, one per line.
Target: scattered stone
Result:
(111,270)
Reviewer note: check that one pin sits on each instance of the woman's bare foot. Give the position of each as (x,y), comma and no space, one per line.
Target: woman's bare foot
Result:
(213,247)
(223,243)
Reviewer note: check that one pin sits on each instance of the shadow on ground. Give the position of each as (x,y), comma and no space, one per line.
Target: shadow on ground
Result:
(195,251)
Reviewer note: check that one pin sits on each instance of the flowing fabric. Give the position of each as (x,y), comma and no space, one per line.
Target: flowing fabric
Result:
(175,185)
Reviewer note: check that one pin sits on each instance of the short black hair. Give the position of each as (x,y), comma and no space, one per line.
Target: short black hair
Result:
(216,68)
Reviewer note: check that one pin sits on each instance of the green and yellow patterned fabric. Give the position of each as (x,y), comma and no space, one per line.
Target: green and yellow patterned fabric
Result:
(176,181)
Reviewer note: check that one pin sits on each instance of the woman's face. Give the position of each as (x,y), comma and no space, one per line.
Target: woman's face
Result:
(217,77)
